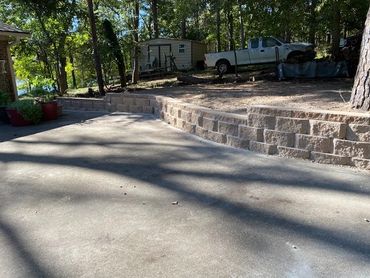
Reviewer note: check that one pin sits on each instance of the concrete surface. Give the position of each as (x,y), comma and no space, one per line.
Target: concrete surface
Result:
(91,196)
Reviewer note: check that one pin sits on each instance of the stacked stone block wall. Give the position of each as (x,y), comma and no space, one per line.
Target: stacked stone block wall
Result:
(321,136)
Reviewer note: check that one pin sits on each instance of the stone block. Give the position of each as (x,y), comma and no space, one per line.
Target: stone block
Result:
(216,137)
(123,108)
(293,152)
(186,115)
(352,148)
(201,132)
(148,109)
(136,109)
(262,147)
(279,138)
(236,142)
(361,163)
(142,101)
(358,133)
(326,158)
(293,125)
(261,121)
(250,133)
(210,124)
(228,129)
(328,129)
(116,98)
(314,143)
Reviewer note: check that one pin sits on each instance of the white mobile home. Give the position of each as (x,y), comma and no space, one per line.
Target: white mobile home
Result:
(165,53)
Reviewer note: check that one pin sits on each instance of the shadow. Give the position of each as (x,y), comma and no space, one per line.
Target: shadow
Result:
(29,262)
(153,162)
(8,132)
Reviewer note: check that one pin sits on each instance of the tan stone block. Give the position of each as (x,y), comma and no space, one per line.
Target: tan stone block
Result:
(328,129)
(210,124)
(293,125)
(293,152)
(123,108)
(250,133)
(279,138)
(216,137)
(261,121)
(236,142)
(358,133)
(262,147)
(148,109)
(352,148)
(314,143)
(201,132)
(361,163)
(326,158)
(228,129)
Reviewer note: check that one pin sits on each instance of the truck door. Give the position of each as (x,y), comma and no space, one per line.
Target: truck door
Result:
(254,51)
(268,49)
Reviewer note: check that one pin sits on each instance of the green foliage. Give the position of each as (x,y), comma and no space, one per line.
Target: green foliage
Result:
(4,99)
(28,108)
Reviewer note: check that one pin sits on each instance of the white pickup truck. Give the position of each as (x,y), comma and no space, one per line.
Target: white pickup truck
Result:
(261,51)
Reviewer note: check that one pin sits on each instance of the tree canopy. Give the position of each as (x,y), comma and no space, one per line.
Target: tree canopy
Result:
(60,53)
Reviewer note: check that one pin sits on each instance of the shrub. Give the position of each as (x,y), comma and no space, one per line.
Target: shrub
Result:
(29,109)
(4,99)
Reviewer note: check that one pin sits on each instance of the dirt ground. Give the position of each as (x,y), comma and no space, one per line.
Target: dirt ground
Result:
(331,94)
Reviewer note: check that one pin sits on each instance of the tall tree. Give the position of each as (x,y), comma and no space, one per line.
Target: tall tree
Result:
(154,6)
(97,62)
(116,49)
(361,89)
(135,71)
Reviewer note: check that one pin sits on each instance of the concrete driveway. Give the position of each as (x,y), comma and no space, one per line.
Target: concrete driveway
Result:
(124,195)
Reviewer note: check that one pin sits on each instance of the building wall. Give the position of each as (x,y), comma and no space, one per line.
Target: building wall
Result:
(183,61)
(6,79)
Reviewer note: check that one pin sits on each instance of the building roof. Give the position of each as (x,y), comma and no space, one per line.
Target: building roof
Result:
(6,29)
(172,39)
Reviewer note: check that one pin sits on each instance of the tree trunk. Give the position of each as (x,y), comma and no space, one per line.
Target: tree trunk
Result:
(218,25)
(63,74)
(241,19)
(155,18)
(183,28)
(98,68)
(336,30)
(74,80)
(230,24)
(135,73)
(361,89)
(312,22)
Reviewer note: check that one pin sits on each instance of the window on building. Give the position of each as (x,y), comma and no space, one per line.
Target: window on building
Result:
(181,48)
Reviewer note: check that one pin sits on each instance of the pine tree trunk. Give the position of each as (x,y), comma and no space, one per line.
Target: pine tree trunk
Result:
(74,79)
(241,19)
(135,72)
(155,18)
(183,28)
(361,89)
(98,68)
(218,26)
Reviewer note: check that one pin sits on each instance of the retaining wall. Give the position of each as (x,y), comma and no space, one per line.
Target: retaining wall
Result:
(321,136)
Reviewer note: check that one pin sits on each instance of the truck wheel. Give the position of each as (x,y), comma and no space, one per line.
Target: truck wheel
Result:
(223,67)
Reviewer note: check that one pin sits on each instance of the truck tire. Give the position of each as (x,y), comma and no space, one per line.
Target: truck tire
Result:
(223,66)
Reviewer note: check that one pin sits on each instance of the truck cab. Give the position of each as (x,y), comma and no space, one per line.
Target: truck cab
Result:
(263,50)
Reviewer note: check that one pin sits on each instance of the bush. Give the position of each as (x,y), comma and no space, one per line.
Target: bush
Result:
(40,94)
(4,99)
(29,109)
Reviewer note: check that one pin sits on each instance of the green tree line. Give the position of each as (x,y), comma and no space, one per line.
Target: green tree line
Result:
(60,51)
